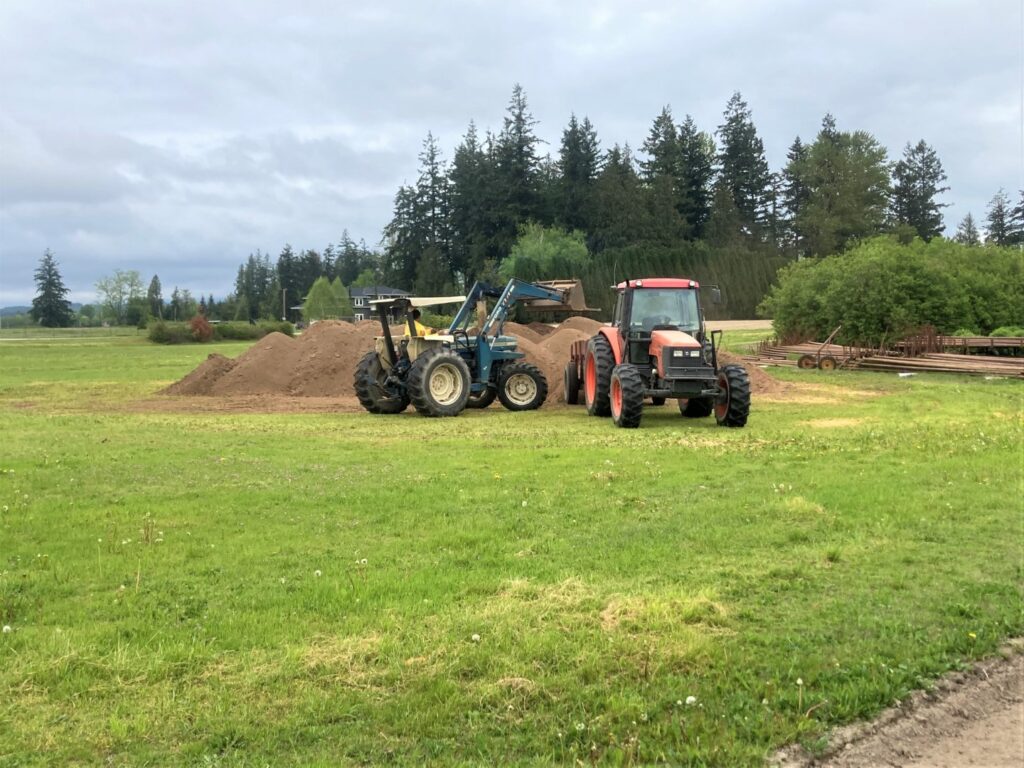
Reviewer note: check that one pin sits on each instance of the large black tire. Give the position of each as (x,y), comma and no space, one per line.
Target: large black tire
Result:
(482,400)
(732,406)
(522,387)
(439,383)
(626,397)
(571,379)
(597,376)
(369,386)
(696,407)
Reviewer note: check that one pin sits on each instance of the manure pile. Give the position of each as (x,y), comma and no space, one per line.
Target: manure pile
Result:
(321,362)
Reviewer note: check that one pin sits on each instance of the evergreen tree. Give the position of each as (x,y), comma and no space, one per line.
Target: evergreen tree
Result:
(696,170)
(432,196)
(999,220)
(470,215)
(516,172)
(661,173)
(1016,235)
(917,180)
(662,148)
(620,214)
(433,278)
(578,168)
(50,307)
(290,277)
(155,298)
(742,164)
(847,178)
(967,232)
(795,191)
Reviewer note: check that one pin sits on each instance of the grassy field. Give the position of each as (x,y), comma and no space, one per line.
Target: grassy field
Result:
(337,588)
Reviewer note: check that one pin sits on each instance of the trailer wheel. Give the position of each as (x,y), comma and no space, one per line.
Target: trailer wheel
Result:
(571,380)
(732,406)
(696,407)
(370,389)
(597,376)
(439,383)
(483,399)
(807,362)
(522,387)
(828,363)
(626,396)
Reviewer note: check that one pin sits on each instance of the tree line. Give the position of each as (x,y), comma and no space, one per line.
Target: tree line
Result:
(694,202)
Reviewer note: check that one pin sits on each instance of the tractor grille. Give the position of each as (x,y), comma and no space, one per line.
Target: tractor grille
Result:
(675,367)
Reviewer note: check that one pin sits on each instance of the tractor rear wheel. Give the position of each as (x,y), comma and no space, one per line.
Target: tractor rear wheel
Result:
(571,380)
(732,406)
(696,407)
(483,399)
(439,383)
(626,396)
(597,376)
(370,389)
(522,387)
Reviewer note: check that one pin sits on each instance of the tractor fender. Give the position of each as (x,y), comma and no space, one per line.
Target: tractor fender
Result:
(616,341)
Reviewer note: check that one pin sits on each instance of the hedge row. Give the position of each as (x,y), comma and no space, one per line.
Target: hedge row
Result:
(881,290)
(163,332)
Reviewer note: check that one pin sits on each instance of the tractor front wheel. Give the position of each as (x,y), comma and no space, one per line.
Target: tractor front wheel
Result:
(732,405)
(626,396)
(597,376)
(571,380)
(371,390)
(522,387)
(439,383)
(483,399)
(696,407)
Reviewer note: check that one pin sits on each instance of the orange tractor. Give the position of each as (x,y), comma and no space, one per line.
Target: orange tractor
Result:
(656,348)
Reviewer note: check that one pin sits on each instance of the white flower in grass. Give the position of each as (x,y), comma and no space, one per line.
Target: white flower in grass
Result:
(580,726)
(691,700)
(799,681)
(7,629)
(475,638)
(318,573)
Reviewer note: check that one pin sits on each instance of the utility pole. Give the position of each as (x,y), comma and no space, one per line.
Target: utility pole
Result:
(284,305)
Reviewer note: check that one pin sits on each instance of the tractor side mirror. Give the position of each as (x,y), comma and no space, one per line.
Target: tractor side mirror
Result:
(716,295)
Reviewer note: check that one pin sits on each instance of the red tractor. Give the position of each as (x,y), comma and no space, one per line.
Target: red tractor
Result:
(656,347)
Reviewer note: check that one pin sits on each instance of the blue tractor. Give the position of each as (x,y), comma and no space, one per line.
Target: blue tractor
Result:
(466,365)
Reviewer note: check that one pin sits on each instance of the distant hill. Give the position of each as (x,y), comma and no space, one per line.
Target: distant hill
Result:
(21,310)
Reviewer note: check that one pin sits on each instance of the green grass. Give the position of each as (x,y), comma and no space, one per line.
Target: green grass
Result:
(38,332)
(160,571)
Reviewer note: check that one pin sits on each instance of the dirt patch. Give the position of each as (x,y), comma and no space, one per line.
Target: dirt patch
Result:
(202,379)
(973,718)
(761,383)
(833,423)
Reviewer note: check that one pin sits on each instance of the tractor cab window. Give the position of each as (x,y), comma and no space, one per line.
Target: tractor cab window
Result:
(676,307)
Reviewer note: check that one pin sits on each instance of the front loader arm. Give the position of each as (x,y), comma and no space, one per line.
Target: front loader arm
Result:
(514,291)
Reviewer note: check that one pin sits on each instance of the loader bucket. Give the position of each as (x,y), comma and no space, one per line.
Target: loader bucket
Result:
(573,299)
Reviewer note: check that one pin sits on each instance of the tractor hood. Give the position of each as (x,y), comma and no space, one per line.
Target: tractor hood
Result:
(677,339)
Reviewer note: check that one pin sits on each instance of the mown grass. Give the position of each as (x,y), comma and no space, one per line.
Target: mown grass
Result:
(324,589)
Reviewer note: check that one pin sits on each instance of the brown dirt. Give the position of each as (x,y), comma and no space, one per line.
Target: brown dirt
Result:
(761,383)
(541,328)
(320,363)
(973,718)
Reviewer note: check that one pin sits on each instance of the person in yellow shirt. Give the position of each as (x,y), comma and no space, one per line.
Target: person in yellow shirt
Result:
(421,330)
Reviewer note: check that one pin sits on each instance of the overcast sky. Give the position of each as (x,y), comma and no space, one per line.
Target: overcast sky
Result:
(177,137)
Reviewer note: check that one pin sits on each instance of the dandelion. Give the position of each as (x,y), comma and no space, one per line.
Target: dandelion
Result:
(643,717)
(580,726)
(679,702)
(765,702)
(318,573)
(282,579)
(524,502)
(475,638)
(6,507)
(799,681)
(363,561)
(691,700)
(7,629)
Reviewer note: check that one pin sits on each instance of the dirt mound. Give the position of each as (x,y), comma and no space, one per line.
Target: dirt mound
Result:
(541,328)
(265,368)
(202,379)
(586,324)
(549,366)
(760,382)
(329,354)
(523,332)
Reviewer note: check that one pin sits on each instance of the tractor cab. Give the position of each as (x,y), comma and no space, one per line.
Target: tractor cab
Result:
(660,313)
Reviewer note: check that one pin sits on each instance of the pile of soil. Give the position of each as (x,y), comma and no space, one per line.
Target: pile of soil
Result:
(322,361)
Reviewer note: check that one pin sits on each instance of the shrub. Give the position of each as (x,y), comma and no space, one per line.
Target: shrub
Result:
(882,289)
(201,329)
(162,332)
(1008,331)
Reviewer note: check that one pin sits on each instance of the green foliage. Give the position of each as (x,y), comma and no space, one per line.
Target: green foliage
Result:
(882,290)
(917,181)
(325,301)
(164,332)
(1008,331)
(545,252)
(50,307)
(116,293)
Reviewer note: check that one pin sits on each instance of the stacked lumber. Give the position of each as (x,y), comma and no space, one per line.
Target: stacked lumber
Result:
(939,362)
(968,343)
(788,354)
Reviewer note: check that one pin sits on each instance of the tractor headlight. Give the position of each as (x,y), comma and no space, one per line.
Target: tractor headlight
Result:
(678,352)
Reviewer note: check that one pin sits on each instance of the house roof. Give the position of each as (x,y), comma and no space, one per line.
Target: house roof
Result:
(376,290)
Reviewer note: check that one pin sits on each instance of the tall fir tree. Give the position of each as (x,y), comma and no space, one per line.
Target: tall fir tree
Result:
(1016,236)
(661,173)
(50,307)
(967,231)
(471,219)
(794,192)
(516,171)
(696,171)
(999,221)
(917,182)
(578,166)
(742,166)
(620,213)
(155,298)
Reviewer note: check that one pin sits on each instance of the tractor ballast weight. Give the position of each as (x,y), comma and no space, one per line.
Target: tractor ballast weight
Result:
(656,348)
(467,365)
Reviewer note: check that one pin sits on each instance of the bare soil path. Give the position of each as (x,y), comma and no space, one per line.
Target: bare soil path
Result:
(971,719)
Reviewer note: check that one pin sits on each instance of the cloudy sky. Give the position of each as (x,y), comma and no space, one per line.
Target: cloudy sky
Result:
(177,137)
